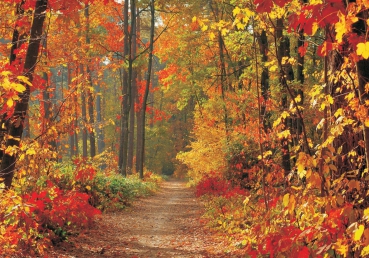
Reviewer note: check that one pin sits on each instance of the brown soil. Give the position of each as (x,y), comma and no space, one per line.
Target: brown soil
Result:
(164,225)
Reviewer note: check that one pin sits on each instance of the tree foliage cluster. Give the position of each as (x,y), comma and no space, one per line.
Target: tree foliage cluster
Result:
(64,73)
(279,93)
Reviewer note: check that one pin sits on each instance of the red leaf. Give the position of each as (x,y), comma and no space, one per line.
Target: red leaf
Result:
(280,3)
(304,252)
(303,49)
(324,48)
(263,6)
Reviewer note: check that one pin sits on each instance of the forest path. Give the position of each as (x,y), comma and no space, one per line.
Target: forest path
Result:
(164,225)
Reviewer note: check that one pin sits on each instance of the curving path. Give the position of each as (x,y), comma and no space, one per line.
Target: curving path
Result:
(164,225)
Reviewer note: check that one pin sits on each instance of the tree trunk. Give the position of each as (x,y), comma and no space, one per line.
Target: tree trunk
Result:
(127,87)
(141,148)
(72,131)
(264,81)
(131,139)
(362,68)
(99,131)
(139,126)
(84,119)
(300,77)
(90,98)
(16,121)
(75,100)
(284,51)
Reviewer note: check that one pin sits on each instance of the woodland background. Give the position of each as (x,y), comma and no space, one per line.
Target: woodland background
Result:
(263,105)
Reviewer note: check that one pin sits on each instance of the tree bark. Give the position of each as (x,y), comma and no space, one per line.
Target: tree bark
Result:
(84,119)
(132,114)
(141,148)
(287,73)
(362,67)
(90,98)
(72,131)
(125,99)
(16,121)
(99,131)
(264,81)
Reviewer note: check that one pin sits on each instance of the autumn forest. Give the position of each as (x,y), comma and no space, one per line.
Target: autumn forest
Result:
(262,107)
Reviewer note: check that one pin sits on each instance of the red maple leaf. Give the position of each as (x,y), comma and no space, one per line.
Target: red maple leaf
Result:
(263,6)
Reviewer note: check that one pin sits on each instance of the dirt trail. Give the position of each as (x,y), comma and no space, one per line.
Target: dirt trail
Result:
(164,225)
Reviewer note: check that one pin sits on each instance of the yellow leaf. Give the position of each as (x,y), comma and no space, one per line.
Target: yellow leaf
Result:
(341,248)
(315,28)
(339,112)
(10,102)
(6,73)
(236,11)
(30,151)
(358,233)
(273,68)
(366,212)
(286,199)
(211,35)
(240,26)
(18,87)
(194,19)
(365,251)
(224,31)
(24,79)
(363,50)
(204,28)
(267,153)
(330,99)
(298,98)
(88,187)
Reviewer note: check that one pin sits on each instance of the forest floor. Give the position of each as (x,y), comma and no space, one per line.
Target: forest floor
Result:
(167,224)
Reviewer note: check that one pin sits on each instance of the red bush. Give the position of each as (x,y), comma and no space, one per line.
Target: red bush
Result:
(216,186)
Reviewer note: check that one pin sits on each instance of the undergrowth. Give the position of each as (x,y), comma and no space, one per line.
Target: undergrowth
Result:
(54,200)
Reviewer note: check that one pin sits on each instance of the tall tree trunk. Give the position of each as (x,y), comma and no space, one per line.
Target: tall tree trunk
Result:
(84,119)
(99,131)
(140,127)
(73,130)
(91,115)
(264,81)
(75,100)
(132,114)
(127,84)
(287,74)
(125,99)
(362,67)
(300,77)
(90,98)
(141,148)
(16,121)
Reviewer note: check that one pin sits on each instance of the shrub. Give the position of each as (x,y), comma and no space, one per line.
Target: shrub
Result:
(216,186)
